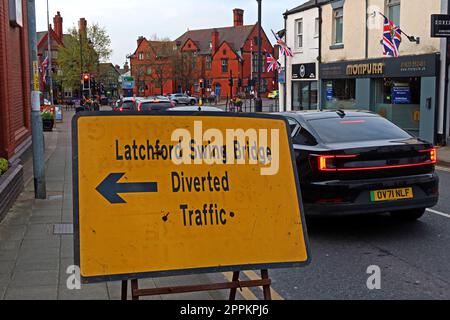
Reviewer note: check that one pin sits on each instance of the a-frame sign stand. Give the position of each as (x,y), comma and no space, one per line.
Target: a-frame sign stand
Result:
(265,282)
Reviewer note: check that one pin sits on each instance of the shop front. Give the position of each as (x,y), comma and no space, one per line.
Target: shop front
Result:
(404,90)
(304,87)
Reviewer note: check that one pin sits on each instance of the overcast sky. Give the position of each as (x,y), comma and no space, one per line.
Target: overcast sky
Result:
(126,20)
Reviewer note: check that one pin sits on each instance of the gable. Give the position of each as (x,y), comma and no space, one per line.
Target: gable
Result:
(189,45)
(225,51)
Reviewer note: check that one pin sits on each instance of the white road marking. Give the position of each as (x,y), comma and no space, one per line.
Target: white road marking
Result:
(439,213)
(443,168)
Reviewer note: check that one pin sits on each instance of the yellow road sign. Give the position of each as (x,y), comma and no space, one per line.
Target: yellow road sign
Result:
(180,193)
(36,86)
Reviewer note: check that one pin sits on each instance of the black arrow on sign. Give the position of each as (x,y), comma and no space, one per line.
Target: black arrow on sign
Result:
(110,188)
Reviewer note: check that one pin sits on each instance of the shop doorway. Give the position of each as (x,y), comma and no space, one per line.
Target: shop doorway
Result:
(304,95)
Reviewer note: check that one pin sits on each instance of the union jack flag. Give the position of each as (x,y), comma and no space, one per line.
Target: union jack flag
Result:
(284,49)
(392,38)
(272,63)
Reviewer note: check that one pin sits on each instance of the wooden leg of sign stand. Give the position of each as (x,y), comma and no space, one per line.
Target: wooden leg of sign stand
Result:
(233,291)
(265,282)
(124,290)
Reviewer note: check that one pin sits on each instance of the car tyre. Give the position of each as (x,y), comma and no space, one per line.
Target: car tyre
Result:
(192,102)
(408,215)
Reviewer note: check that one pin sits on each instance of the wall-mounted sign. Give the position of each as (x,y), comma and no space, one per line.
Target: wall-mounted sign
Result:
(15,13)
(440,25)
(304,71)
(406,66)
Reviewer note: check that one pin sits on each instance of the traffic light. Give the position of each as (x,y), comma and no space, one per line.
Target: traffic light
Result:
(202,84)
(86,81)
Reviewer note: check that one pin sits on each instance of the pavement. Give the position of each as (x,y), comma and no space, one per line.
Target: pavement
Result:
(444,156)
(34,258)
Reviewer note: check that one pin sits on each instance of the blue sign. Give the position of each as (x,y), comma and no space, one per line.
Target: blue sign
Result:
(401,95)
(330,92)
(282,77)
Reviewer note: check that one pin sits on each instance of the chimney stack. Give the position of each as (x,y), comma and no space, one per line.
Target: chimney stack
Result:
(214,40)
(139,40)
(83,27)
(58,22)
(238,17)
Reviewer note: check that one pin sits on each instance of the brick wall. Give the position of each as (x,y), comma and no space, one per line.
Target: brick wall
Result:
(15,104)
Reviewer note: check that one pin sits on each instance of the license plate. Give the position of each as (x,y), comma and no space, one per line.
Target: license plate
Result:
(392,194)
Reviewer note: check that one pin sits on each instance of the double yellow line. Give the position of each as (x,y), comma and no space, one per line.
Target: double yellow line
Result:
(246,293)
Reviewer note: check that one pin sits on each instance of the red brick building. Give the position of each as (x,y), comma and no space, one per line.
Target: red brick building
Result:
(15,91)
(209,56)
(152,67)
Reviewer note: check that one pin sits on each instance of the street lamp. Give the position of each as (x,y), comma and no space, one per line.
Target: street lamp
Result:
(258,100)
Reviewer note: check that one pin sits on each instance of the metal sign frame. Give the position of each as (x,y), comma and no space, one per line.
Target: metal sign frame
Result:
(143,275)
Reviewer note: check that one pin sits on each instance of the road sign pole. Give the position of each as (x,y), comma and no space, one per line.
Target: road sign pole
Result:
(40,191)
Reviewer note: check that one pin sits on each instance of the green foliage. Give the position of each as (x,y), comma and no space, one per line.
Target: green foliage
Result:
(3,166)
(46,115)
(93,47)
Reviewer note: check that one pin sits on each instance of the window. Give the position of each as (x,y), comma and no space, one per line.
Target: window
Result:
(299,33)
(304,138)
(397,91)
(208,62)
(316,28)
(194,63)
(393,11)
(141,56)
(338,26)
(149,71)
(293,124)
(356,129)
(255,63)
(224,65)
(341,94)
(304,95)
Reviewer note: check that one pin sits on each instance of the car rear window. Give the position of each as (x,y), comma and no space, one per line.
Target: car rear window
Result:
(128,105)
(354,129)
(155,106)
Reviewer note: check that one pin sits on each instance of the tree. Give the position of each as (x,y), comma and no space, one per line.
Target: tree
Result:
(82,53)
(183,71)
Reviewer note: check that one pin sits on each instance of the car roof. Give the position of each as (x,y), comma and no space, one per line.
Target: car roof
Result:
(329,114)
(153,101)
(202,108)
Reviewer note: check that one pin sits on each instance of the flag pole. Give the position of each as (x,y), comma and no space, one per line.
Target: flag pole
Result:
(410,38)
(49,55)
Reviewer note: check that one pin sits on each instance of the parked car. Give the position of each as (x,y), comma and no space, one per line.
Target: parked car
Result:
(153,105)
(127,104)
(179,98)
(360,163)
(273,94)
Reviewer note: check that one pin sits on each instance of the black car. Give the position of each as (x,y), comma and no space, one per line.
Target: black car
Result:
(359,162)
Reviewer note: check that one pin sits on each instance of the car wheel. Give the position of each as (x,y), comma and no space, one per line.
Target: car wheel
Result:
(408,215)
(193,102)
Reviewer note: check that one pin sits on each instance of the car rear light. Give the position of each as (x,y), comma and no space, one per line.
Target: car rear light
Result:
(433,154)
(121,109)
(139,108)
(328,163)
